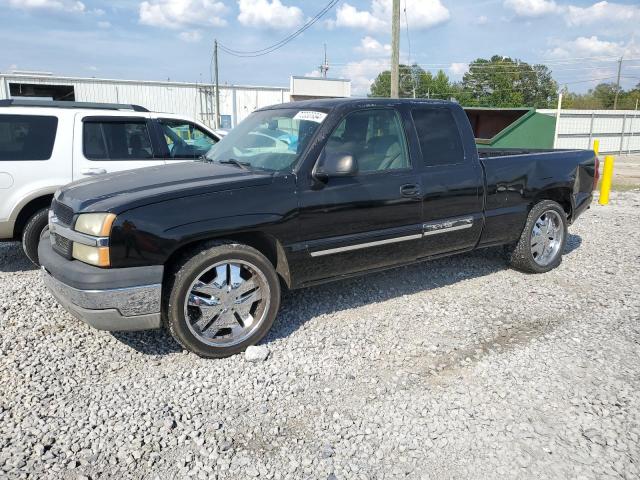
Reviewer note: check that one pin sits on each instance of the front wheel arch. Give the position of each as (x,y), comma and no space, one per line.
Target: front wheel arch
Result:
(266,244)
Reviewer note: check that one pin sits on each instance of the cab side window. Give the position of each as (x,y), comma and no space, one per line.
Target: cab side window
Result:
(374,137)
(186,140)
(439,136)
(116,140)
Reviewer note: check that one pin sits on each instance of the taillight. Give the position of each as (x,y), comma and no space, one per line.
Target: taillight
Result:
(596,173)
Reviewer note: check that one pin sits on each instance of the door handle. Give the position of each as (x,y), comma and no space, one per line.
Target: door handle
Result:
(93,171)
(410,190)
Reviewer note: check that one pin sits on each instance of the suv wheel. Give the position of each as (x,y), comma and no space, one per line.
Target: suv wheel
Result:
(32,232)
(221,299)
(542,241)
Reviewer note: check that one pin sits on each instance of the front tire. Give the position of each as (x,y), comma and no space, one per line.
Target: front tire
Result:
(32,232)
(542,241)
(221,299)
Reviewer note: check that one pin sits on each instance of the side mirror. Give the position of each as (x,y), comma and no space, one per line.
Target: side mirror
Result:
(338,164)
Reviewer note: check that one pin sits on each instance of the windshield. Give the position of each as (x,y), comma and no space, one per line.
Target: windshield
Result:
(269,139)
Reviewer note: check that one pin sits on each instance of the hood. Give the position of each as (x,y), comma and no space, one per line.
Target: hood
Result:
(120,191)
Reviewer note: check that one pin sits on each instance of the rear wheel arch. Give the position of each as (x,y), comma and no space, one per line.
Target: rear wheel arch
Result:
(266,244)
(560,195)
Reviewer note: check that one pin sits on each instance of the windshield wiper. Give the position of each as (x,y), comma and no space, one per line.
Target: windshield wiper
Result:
(237,163)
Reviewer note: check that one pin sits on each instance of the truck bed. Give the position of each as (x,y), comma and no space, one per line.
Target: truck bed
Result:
(508,152)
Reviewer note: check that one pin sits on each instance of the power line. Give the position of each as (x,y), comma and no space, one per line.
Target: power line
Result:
(548,61)
(284,41)
(503,64)
(406,22)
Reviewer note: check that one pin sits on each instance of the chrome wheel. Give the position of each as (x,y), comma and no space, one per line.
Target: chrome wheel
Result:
(547,236)
(227,302)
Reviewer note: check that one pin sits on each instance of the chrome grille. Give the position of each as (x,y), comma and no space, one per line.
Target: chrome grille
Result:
(63,212)
(61,245)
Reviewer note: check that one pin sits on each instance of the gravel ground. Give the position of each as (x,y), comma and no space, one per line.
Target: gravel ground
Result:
(459,368)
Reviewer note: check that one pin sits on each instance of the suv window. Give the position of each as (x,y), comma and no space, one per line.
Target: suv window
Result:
(186,140)
(116,140)
(375,138)
(27,137)
(439,136)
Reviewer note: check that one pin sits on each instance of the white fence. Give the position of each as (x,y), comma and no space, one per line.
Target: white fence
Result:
(617,130)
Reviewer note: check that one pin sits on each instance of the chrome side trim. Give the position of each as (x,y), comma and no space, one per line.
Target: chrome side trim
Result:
(56,227)
(431,228)
(451,225)
(129,302)
(358,246)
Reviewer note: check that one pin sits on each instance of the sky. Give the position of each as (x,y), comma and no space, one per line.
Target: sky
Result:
(580,41)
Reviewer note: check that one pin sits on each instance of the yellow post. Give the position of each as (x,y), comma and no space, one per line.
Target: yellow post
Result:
(607,176)
(596,146)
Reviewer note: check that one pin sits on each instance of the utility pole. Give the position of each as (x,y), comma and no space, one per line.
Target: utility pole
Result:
(557,127)
(216,121)
(395,49)
(615,100)
(324,68)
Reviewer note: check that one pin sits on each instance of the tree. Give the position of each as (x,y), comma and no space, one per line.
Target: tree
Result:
(505,82)
(601,97)
(414,82)
(381,87)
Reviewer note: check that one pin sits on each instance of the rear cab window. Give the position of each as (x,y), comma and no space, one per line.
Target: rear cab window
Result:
(27,137)
(439,136)
(116,139)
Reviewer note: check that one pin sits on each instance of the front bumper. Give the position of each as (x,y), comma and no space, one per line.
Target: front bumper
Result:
(121,299)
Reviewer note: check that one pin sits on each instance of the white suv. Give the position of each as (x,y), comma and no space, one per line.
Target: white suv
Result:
(47,144)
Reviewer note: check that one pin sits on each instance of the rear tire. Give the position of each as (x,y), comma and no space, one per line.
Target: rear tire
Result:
(542,241)
(221,299)
(32,232)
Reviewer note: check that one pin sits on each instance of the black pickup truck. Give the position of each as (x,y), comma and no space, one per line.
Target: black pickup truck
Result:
(299,194)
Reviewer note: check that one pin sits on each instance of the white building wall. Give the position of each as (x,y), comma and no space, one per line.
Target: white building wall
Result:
(4,88)
(320,86)
(617,130)
(190,99)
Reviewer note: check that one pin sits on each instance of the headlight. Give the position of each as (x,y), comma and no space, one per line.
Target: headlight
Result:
(96,224)
(98,256)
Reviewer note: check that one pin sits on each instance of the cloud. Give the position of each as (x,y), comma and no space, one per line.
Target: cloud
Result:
(458,69)
(592,47)
(313,74)
(421,13)
(269,14)
(531,8)
(350,17)
(481,20)
(104,24)
(610,13)
(362,74)
(191,36)
(603,14)
(371,46)
(62,5)
(176,14)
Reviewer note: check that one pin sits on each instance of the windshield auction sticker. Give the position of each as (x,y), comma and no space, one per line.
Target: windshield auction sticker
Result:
(310,115)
